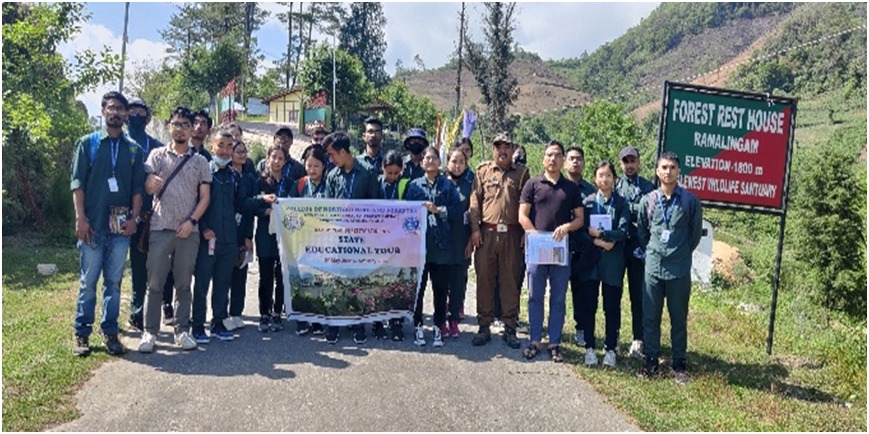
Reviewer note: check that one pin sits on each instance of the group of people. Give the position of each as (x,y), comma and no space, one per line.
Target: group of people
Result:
(195,211)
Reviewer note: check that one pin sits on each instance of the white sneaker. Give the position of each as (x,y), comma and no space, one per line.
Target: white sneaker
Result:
(636,350)
(579,339)
(229,324)
(438,338)
(146,345)
(419,340)
(609,358)
(185,341)
(590,357)
(239,323)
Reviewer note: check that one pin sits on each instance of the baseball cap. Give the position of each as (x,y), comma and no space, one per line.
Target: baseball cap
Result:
(628,151)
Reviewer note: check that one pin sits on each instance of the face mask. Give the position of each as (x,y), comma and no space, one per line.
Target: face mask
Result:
(221,162)
(415,148)
(137,122)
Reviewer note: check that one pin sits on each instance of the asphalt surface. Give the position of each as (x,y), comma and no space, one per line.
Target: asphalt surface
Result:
(283,382)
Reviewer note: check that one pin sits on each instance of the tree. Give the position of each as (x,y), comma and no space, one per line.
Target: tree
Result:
(205,73)
(41,120)
(490,65)
(363,37)
(409,110)
(352,90)
(266,85)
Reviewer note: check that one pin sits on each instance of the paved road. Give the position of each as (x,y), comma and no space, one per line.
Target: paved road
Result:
(282,382)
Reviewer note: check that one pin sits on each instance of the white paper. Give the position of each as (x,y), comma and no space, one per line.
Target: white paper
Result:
(601,222)
(541,249)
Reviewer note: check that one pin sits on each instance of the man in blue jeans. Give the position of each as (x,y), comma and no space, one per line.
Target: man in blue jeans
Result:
(549,203)
(107,183)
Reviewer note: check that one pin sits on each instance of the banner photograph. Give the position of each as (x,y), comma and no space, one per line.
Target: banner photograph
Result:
(350,261)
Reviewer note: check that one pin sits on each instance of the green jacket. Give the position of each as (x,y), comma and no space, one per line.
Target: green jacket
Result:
(611,267)
(670,260)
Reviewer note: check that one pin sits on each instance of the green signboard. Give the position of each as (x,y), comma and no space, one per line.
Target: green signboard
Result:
(735,147)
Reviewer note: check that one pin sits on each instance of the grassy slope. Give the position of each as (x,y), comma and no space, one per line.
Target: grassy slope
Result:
(40,374)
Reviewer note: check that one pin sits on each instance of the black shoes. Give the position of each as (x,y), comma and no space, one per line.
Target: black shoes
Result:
(649,369)
(510,338)
(483,336)
(113,345)
(81,347)
(332,335)
(379,331)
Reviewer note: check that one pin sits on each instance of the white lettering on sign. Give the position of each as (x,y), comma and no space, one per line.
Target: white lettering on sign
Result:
(765,121)
(726,143)
(693,112)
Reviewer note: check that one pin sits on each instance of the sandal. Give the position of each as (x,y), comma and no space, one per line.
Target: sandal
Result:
(555,353)
(531,351)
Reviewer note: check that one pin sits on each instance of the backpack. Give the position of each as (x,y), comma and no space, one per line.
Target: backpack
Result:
(652,200)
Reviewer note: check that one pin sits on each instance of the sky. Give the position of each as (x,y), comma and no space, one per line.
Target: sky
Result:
(552,30)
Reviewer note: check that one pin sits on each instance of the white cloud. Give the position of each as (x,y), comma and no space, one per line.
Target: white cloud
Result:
(95,37)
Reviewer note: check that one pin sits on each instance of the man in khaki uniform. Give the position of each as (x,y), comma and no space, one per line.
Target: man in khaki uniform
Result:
(498,238)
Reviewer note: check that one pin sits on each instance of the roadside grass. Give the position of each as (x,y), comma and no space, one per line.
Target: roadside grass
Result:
(40,373)
(815,379)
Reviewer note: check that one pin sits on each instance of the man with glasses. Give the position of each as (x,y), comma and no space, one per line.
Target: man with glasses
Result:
(373,157)
(180,180)
(106,184)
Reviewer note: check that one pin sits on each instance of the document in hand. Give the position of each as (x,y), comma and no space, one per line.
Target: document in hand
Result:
(542,249)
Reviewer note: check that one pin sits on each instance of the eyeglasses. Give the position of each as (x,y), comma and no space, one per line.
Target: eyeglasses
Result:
(115,110)
(430,158)
(241,152)
(181,125)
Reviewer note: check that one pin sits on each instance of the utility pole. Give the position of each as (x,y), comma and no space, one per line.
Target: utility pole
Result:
(289,42)
(334,79)
(124,46)
(459,75)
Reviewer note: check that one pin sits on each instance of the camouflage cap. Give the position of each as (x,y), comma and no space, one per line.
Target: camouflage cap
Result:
(503,138)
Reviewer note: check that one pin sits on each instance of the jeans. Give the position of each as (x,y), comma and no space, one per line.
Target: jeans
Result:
(612,298)
(271,281)
(678,294)
(105,255)
(557,276)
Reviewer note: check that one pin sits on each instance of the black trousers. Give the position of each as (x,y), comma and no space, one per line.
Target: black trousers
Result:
(271,287)
(237,290)
(612,296)
(439,275)
(636,271)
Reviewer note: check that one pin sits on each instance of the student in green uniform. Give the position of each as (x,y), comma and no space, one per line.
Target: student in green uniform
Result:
(218,247)
(348,180)
(670,227)
(311,185)
(441,199)
(107,185)
(606,219)
(575,165)
(463,178)
(633,187)
(244,219)
(393,187)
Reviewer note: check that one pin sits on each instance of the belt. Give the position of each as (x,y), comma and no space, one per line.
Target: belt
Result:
(501,227)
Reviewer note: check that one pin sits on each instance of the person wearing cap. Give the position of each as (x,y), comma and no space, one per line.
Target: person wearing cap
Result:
(497,237)
(575,164)
(138,117)
(107,177)
(415,143)
(373,136)
(669,227)
(633,187)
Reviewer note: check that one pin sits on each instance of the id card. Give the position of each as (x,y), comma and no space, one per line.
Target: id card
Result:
(432,220)
(665,236)
(467,218)
(113,185)
(117,217)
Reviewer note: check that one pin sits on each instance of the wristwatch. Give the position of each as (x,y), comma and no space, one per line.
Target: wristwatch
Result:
(193,220)
(138,219)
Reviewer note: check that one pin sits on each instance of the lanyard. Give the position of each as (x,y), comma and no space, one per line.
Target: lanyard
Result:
(115,150)
(433,189)
(312,191)
(279,189)
(394,190)
(147,145)
(597,202)
(348,188)
(671,208)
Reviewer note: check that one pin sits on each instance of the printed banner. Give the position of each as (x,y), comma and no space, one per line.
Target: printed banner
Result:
(734,147)
(350,261)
